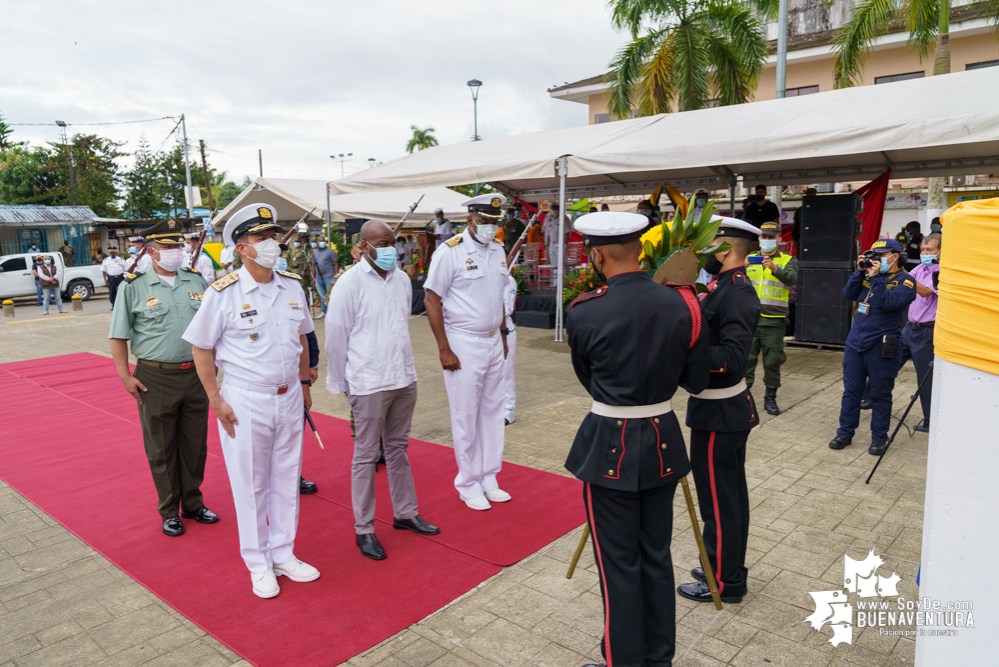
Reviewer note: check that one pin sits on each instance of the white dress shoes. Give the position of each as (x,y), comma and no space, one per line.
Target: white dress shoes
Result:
(477,503)
(265,584)
(498,496)
(296,570)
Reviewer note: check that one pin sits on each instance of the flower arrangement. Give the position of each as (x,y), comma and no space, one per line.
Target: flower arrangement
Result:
(577,282)
(523,288)
(415,265)
(687,240)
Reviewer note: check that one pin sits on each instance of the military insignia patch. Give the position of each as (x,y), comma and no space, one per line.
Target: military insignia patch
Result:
(254,336)
(245,306)
(171,224)
(468,261)
(225,281)
(453,241)
(496,202)
(288,274)
(264,213)
(908,283)
(152,301)
(196,296)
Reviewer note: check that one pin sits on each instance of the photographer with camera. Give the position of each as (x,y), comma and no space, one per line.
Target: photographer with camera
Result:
(917,336)
(882,291)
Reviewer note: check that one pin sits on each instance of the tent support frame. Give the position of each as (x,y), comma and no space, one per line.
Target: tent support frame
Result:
(562,166)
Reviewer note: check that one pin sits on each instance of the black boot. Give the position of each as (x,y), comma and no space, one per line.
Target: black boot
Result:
(305,487)
(923,426)
(840,441)
(877,448)
(770,401)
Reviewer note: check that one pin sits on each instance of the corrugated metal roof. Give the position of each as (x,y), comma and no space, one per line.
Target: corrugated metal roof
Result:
(43,214)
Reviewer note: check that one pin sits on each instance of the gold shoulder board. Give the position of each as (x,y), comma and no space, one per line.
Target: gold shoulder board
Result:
(225,281)
(132,276)
(190,270)
(289,274)
(453,241)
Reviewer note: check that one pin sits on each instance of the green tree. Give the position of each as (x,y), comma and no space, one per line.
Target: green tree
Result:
(469,190)
(685,54)
(5,132)
(229,190)
(145,187)
(28,177)
(98,175)
(421,139)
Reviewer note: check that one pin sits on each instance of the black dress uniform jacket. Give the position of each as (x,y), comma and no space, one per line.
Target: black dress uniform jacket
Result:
(731,312)
(631,345)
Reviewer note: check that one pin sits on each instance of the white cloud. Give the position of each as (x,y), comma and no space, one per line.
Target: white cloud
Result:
(299,80)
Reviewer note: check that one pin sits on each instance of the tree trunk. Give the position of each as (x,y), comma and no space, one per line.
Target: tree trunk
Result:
(936,200)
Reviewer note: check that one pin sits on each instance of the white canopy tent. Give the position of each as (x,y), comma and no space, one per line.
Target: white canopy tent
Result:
(921,127)
(293,198)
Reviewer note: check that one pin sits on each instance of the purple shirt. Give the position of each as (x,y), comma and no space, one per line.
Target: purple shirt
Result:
(924,308)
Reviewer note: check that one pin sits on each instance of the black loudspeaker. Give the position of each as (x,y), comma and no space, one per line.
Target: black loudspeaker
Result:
(822,314)
(353,226)
(829,228)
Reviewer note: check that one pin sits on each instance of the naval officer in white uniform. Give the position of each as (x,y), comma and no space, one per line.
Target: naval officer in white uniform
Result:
(256,320)
(464,300)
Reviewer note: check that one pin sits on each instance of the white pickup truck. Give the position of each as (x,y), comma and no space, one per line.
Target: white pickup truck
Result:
(17,280)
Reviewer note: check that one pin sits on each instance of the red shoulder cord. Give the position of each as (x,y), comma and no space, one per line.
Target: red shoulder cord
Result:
(689,294)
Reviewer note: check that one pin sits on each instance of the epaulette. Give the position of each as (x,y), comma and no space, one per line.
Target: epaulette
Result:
(190,270)
(225,281)
(739,278)
(589,295)
(289,274)
(453,241)
(132,276)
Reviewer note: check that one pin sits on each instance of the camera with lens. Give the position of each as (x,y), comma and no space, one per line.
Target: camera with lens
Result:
(868,261)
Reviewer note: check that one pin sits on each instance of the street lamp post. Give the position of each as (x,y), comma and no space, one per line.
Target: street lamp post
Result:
(341,158)
(69,154)
(474,86)
(371,162)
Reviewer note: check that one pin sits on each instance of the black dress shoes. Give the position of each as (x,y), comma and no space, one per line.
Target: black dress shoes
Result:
(698,573)
(840,441)
(698,591)
(201,515)
(770,402)
(878,447)
(866,404)
(306,487)
(370,547)
(173,527)
(416,524)
(923,426)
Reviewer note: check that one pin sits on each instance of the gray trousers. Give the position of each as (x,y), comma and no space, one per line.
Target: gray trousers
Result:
(386,417)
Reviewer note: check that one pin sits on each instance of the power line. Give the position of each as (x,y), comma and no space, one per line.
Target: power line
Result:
(121,122)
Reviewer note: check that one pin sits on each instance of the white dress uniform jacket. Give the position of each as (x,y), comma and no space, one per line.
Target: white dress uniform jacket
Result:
(509,380)
(471,279)
(255,330)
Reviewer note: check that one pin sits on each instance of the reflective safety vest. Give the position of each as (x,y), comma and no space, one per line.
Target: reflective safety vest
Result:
(772,292)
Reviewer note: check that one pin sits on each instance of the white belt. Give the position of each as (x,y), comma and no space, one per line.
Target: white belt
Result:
(724,392)
(631,411)
(477,334)
(230,381)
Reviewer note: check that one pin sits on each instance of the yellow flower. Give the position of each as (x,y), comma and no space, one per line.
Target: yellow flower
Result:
(653,236)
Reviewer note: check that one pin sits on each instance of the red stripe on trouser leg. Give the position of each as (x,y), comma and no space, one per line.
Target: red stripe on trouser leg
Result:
(603,577)
(714,502)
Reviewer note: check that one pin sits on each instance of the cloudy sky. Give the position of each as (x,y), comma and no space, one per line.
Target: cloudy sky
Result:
(300,80)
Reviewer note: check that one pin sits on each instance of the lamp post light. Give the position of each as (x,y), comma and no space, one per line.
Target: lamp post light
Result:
(371,162)
(341,158)
(474,86)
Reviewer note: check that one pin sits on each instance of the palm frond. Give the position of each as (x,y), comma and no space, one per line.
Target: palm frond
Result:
(625,73)
(631,15)
(658,84)
(854,41)
(922,20)
(989,9)
(691,67)
(768,9)
(729,84)
(737,24)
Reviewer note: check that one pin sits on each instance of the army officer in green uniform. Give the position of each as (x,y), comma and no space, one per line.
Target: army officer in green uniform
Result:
(152,311)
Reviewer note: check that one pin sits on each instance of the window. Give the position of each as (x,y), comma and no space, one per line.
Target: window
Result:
(981,65)
(803,90)
(601,118)
(14,264)
(898,77)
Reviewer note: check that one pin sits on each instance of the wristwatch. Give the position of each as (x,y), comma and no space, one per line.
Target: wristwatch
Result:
(505,332)
(306,383)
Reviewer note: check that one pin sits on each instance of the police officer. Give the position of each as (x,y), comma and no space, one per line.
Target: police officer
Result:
(464,303)
(113,269)
(153,309)
(883,292)
(629,451)
(721,417)
(255,321)
(771,279)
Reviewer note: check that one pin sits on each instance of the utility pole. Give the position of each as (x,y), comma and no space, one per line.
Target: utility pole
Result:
(187,168)
(260,158)
(782,50)
(208,182)
(69,154)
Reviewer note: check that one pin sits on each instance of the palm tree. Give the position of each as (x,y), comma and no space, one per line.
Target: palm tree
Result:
(686,53)
(421,139)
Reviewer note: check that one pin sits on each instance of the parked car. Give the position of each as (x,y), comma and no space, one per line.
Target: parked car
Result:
(17,280)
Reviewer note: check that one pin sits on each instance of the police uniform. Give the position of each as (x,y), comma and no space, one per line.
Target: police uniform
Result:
(633,343)
(720,419)
(470,279)
(152,314)
(114,269)
(882,303)
(509,377)
(256,331)
(772,289)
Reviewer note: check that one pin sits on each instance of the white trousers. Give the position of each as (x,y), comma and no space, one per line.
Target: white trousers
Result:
(264,462)
(475,393)
(509,381)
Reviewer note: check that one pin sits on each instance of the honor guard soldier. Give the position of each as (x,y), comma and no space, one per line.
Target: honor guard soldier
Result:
(256,321)
(203,263)
(633,342)
(465,286)
(772,272)
(153,309)
(113,268)
(883,292)
(721,417)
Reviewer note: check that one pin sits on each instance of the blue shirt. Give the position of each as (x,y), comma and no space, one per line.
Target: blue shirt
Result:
(887,295)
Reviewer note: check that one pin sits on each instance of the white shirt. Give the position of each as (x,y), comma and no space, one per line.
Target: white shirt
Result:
(113,266)
(204,266)
(470,279)
(444,230)
(367,332)
(510,300)
(55,268)
(256,337)
(227,255)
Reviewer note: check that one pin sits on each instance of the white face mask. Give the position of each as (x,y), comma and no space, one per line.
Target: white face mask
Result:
(268,253)
(485,233)
(170,259)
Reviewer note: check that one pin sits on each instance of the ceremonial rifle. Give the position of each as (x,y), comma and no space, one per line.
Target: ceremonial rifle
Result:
(315,431)
(515,250)
(294,227)
(398,227)
(201,241)
(138,256)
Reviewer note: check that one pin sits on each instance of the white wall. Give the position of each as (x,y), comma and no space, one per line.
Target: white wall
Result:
(960,538)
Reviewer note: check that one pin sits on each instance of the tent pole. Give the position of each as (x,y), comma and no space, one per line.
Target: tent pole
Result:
(329,220)
(731,198)
(563,168)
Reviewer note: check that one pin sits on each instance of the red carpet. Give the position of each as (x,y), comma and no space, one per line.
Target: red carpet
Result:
(94,480)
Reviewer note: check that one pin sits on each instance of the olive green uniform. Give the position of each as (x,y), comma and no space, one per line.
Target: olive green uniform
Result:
(300,263)
(512,229)
(153,315)
(67,255)
(769,336)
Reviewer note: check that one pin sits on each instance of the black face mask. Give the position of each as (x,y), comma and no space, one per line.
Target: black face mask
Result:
(713,266)
(760,197)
